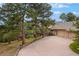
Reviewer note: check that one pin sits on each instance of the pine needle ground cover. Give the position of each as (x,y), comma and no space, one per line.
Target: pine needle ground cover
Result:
(13,48)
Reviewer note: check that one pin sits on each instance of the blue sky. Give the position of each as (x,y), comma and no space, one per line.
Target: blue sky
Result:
(58,8)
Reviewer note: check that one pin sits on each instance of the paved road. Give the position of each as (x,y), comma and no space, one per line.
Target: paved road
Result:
(48,46)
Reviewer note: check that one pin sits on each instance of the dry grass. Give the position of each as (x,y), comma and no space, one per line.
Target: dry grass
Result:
(13,48)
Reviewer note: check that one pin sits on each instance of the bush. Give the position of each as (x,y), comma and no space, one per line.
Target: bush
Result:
(9,36)
(29,36)
(74,47)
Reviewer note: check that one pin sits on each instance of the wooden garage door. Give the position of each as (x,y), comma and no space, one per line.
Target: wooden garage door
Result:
(65,34)
(61,33)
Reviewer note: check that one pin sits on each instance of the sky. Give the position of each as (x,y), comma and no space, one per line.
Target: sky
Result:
(59,8)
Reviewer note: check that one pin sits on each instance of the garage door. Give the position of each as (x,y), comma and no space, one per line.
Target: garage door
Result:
(61,33)
(66,34)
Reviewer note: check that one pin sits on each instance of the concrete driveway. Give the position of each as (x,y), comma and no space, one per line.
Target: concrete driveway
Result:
(48,46)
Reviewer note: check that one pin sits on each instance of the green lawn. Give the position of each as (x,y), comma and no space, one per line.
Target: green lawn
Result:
(75,47)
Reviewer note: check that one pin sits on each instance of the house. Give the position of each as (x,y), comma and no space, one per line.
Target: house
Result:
(64,29)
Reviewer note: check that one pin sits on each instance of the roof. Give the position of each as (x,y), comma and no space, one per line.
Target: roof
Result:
(64,25)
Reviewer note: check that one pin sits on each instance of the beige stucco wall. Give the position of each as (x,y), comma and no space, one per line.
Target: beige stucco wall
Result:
(65,34)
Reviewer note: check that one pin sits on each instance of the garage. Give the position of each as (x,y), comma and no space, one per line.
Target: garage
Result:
(64,29)
(64,34)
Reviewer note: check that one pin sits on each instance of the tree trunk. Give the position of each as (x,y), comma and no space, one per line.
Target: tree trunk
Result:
(22,32)
(9,42)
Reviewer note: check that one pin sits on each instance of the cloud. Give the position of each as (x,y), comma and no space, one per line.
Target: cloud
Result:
(74,12)
(58,12)
(58,5)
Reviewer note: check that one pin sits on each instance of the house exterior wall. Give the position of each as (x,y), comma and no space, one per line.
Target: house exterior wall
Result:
(64,34)
(71,35)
